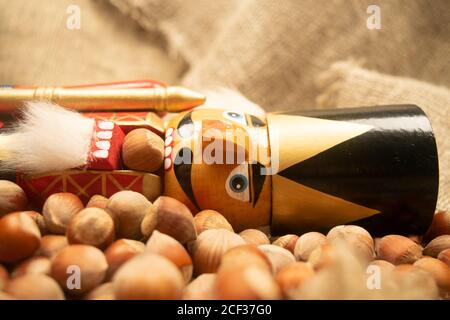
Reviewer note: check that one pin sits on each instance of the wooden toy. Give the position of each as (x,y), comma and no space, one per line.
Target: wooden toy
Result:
(301,171)
(376,167)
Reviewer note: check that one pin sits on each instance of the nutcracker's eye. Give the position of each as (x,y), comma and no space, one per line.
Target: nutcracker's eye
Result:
(237,184)
(186,126)
(238,117)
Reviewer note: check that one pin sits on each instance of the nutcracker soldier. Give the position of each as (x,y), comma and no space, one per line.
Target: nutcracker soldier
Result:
(300,171)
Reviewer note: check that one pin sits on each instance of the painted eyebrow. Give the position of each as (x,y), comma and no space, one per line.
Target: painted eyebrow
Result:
(257,122)
(183,172)
(257,180)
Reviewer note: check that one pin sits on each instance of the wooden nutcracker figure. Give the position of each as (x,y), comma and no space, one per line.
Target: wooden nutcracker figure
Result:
(300,171)
(376,167)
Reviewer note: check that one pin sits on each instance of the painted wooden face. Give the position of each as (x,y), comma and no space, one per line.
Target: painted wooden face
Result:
(325,168)
(216,159)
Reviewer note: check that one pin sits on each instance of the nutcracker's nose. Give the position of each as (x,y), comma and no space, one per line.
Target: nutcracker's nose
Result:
(223,141)
(209,126)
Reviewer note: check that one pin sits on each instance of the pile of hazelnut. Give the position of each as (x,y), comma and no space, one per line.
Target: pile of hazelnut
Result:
(126,247)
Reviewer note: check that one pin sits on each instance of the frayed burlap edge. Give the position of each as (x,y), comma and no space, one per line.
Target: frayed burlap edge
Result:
(151,23)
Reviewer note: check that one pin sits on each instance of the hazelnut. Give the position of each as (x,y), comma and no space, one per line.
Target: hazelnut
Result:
(385,268)
(34,287)
(19,237)
(148,277)
(59,209)
(403,270)
(306,243)
(435,246)
(440,272)
(278,256)
(120,252)
(104,291)
(243,255)
(12,197)
(33,265)
(439,226)
(291,277)
(97,201)
(91,226)
(175,219)
(356,238)
(79,268)
(246,283)
(4,277)
(322,256)
(410,276)
(201,288)
(164,245)
(254,236)
(51,245)
(143,150)
(39,219)
(398,250)
(128,208)
(211,219)
(287,241)
(207,250)
(148,223)
(444,256)
(383,264)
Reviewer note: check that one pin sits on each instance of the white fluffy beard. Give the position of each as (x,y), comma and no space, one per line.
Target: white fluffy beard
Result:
(47,138)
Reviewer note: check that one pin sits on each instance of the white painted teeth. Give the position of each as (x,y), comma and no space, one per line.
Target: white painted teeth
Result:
(104,135)
(169,132)
(101,154)
(168,141)
(103,144)
(167,163)
(168,149)
(106,125)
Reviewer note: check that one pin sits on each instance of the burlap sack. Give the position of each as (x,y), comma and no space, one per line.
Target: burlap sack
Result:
(37,48)
(273,50)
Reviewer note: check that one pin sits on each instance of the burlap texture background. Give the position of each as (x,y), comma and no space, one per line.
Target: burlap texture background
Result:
(281,54)
(36,47)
